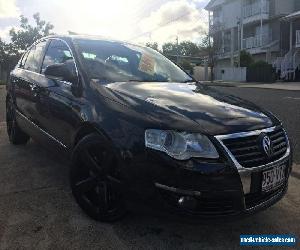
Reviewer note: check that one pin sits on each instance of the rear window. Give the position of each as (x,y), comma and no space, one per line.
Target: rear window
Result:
(34,57)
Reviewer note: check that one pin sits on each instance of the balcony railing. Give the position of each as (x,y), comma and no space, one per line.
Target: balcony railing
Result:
(216,23)
(297,38)
(256,41)
(258,7)
(217,20)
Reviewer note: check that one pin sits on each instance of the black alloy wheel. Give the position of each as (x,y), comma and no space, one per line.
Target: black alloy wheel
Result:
(92,182)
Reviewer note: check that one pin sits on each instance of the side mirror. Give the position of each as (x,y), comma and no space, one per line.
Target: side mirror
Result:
(61,71)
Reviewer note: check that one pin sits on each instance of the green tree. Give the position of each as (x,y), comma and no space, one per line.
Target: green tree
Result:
(170,48)
(186,65)
(152,45)
(28,34)
(8,55)
(2,51)
(21,39)
(246,59)
(207,46)
(185,48)
(188,48)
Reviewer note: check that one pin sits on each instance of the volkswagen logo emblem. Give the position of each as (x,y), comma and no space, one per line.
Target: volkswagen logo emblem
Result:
(267,145)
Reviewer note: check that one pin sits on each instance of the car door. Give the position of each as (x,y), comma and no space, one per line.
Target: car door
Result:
(26,79)
(62,116)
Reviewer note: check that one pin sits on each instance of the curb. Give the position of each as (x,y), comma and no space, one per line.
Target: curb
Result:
(270,86)
(287,88)
(227,84)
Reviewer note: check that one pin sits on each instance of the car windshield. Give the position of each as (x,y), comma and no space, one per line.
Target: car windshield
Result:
(120,62)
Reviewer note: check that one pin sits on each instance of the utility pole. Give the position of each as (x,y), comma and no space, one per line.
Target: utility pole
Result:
(261,22)
(239,43)
(177,50)
(210,49)
(241,31)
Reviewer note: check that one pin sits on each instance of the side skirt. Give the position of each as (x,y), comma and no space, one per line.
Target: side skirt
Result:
(37,133)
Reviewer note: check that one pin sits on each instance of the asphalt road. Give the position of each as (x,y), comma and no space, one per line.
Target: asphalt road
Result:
(37,210)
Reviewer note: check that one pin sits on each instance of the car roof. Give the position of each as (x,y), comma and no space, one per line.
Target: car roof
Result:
(70,38)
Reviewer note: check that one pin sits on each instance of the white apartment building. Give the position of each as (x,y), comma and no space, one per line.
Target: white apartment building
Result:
(268,29)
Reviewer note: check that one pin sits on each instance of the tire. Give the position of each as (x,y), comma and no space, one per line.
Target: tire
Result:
(15,133)
(92,168)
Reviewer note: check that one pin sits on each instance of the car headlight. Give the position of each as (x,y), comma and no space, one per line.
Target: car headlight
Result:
(180,145)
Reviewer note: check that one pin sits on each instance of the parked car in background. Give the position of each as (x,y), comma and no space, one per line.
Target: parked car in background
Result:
(140,130)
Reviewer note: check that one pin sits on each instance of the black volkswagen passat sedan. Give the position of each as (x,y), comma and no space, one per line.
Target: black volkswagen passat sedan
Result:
(139,129)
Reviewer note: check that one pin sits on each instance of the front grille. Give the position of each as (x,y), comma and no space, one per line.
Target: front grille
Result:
(248,150)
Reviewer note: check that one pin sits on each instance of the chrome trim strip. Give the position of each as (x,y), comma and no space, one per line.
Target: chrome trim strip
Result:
(44,53)
(245,173)
(246,134)
(177,190)
(50,136)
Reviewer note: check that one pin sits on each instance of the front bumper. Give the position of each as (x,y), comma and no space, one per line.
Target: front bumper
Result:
(203,189)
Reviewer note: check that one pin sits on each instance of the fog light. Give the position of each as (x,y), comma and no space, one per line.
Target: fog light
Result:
(187,202)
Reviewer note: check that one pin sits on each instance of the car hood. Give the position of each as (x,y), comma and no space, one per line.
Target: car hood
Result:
(215,112)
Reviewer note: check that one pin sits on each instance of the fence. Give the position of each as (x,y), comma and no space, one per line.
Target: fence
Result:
(201,74)
(230,74)
(261,73)
(257,41)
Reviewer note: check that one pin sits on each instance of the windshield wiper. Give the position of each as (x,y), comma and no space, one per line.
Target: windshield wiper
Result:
(136,80)
(187,81)
(133,80)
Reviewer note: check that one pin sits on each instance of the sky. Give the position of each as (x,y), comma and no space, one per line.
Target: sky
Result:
(137,21)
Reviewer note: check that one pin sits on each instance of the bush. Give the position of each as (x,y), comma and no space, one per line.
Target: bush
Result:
(259,64)
(187,66)
(246,59)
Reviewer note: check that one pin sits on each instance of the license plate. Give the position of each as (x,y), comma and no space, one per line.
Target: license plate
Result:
(273,178)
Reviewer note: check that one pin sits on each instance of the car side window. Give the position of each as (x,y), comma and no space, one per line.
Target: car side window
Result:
(34,57)
(57,52)
(29,64)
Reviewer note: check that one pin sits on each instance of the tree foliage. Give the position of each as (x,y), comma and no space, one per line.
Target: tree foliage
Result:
(22,38)
(259,64)
(170,48)
(152,45)
(246,59)
(206,44)
(28,34)
(188,48)
(8,55)
(186,65)
(185,48)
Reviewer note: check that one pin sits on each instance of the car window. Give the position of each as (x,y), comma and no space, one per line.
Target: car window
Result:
(57,52)
(34,57)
